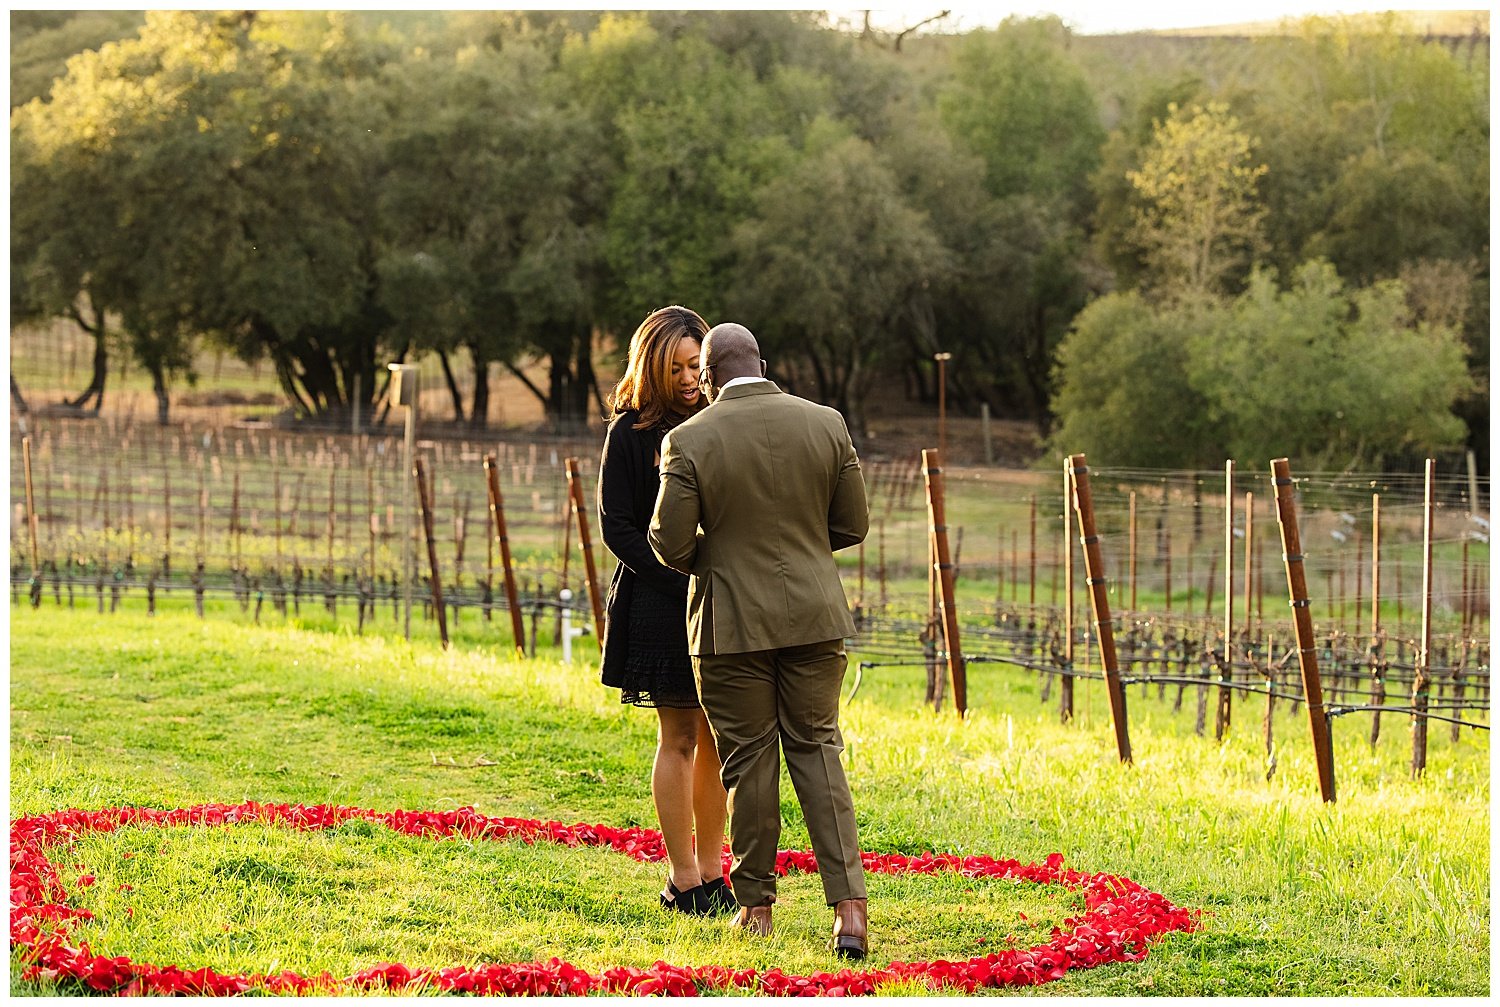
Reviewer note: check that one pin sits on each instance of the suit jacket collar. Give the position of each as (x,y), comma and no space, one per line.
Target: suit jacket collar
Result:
(765,387)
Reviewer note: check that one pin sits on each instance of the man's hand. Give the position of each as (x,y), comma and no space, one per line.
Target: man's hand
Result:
(848,511)
(674,522)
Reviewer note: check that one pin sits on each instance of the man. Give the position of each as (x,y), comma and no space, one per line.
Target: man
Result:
(757,492)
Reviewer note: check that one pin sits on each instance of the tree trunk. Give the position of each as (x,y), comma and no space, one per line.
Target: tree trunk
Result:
(100,332)
(17,397)
(457,396)
(1038,370)
(479,409)
(587,382)
(530,385)
(159,387)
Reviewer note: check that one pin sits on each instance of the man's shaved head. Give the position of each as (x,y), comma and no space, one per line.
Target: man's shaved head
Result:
(730,351)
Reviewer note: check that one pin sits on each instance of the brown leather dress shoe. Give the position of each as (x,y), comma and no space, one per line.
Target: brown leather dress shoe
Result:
(755,919)
(851,928)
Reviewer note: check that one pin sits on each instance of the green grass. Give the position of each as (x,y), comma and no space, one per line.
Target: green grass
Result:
(1386,892)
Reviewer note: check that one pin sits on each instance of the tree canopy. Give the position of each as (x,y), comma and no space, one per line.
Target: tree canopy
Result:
(1080,224)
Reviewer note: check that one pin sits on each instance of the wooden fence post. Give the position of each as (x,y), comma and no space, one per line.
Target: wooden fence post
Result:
(586,546)
(1132,551)
(36,563)
(424,501)
(1307,645)
(932,467)
(331,599)
(234,518)
(1226,664)
(1093,565)
(166,523)
(1249,555)
(1065,693)
(999,571)
(1166,554)
(1377,636)
(497,512)
(1031,595)
(1423,677)
(1015,561)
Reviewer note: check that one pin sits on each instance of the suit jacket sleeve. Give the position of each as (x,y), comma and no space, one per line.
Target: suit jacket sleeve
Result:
(620,522)
(848,511)
(674,524)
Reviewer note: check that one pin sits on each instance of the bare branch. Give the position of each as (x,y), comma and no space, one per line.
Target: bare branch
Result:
(907,31)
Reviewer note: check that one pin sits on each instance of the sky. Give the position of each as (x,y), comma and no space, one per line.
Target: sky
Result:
(1094,17)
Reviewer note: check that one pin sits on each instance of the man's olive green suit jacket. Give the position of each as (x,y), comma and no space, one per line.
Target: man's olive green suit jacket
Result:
(757,491)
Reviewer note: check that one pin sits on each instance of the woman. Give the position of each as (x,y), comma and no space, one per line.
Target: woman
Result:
(645,629)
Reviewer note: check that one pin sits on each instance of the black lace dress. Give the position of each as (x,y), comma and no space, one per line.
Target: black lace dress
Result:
(645,649)
(658,671)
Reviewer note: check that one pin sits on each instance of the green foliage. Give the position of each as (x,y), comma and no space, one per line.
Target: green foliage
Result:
(831,260)
(1317,372)
(41,41)
(1018,99)
(226,188)
(1199,219)
(1387,210)
(328,190)
(1123,393)
(499,252)
(1379,117)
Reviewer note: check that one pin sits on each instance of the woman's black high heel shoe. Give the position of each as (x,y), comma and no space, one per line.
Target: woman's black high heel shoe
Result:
(720,898)
(694,901)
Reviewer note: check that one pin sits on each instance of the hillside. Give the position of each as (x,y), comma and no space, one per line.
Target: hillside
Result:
(1433,24)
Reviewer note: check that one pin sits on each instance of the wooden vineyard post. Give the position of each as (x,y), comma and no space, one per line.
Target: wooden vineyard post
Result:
(1031,596)
(1166,551)
(1463,590)
(937,516)
(166,523)
(1226,664)
(566,527)
(1249,555)
(859,603)
(330,599)
(200,555)
(374,523)
(1423,678)
(586,546)
(1132,550)
(497,511)
(1093,566)
(424,500)
(1015,575)
(234,518)
(36,563)
(999,571)
(1377,637)
(1359,581)
(1065,701)
(1307,649)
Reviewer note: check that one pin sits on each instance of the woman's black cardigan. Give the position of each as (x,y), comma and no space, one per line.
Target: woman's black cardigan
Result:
(628,483)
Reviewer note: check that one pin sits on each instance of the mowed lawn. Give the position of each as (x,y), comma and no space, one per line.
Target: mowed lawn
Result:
(1386,892)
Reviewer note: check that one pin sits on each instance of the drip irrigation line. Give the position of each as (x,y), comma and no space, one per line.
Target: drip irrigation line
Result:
(1339,711)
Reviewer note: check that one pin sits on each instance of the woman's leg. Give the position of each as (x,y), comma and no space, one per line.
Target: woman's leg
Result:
(672,789)
(708,803)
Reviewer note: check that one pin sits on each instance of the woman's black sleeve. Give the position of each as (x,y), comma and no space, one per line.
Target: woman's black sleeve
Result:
(619,523)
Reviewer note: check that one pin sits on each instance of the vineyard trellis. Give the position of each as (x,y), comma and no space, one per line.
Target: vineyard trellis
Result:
(115,513)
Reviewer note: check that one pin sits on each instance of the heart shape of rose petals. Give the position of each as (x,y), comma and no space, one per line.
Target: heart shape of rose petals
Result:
(1120,917)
